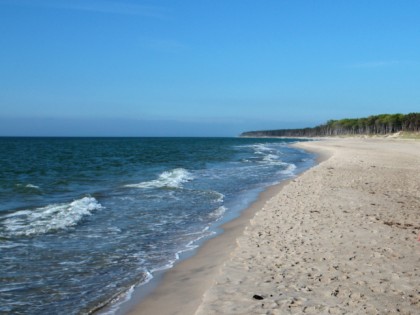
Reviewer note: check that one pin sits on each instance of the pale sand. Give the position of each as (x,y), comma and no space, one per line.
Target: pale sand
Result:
(182,288)
(341,238)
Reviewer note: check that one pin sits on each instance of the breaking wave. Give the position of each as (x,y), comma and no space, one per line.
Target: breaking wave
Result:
(32,186)
(218,213)
(170,179)
(49,218)
(289,170)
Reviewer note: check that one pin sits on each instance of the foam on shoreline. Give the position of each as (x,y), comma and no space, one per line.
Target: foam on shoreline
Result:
(180,289)
(341,237)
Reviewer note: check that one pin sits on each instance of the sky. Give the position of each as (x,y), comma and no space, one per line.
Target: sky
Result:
(202,67)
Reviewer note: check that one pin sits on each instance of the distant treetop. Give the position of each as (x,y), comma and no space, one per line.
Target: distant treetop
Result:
(372,125)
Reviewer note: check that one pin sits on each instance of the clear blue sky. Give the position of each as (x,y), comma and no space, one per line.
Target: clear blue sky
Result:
(202,68)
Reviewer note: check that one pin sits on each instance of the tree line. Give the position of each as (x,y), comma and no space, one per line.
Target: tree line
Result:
(372,125)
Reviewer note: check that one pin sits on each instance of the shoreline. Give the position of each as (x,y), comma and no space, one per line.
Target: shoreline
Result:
(357,259)
(179,290)
(340,238)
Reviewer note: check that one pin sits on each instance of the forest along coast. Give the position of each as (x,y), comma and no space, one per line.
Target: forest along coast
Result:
(384,124)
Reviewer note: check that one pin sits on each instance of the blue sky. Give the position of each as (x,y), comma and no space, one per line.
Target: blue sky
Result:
(202,68)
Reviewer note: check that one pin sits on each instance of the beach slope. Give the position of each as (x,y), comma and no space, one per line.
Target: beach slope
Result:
(341,238)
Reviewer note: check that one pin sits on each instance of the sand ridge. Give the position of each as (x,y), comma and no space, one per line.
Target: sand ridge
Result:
(339,239)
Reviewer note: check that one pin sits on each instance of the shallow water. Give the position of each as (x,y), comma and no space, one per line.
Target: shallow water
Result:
(82,220)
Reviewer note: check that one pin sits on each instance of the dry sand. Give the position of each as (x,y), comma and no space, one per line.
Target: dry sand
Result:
(342,238)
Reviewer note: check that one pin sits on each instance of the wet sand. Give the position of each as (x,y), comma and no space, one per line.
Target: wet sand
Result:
(182,287)
(342,238)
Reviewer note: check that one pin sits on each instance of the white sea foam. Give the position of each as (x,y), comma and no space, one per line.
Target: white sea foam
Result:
(289,170)
(261,148)
(269,155)
(191,245)
(171,179)
(220,197)
(123,297)
(49,218)
(271,158)
(28,186)
(32,186)
(217,214)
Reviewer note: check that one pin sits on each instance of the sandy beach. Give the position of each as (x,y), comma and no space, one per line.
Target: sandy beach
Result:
(342,238)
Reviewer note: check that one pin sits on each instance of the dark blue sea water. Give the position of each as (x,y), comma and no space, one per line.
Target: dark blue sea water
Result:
(83,220)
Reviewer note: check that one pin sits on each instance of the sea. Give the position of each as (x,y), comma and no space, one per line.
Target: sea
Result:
(85,221)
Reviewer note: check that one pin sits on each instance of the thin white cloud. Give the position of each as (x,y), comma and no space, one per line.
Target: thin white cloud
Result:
(97,6)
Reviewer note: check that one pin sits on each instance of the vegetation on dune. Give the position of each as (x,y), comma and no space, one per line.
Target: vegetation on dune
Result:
(373,125)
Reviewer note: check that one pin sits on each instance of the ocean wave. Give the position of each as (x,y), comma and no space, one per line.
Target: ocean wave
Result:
(261,149)
(218,213)
(32,186)
(220,196)
(255,146)
(274,160)
(264,148)
(49,218)
(266,154)
(114,303)
(289,170)
(170,179)
(28,189)
(191,245)
(8,244)
(270,158)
